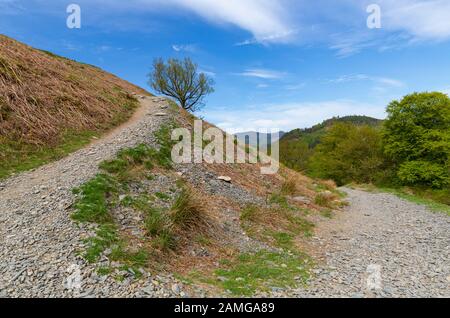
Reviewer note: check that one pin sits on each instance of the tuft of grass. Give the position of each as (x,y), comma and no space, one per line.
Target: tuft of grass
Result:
(164,155)
(324,199)
(281,200)
(187,208)
(104,271)
(262,271)
(132,261)
(249,213)
(162,196)
(165,240)
(289,187)
(155,222)
(203,240)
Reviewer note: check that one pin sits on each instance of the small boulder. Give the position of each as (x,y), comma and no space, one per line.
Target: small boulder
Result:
(224,178)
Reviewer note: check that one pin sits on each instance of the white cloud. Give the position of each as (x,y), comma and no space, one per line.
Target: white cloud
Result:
(266,20)
(288,116)
(446,91)
(261,73)
(424,20)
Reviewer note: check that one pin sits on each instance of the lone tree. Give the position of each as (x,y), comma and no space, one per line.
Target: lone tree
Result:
(181,81)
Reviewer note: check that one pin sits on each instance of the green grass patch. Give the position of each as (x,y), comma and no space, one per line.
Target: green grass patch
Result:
(249,213)
(17,156)
(281,200)
(105,237)
(92,203)
(262,271)
(284,240)
(162,196)
(327,213)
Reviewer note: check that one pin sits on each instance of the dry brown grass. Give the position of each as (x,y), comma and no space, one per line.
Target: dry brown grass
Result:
(43,95)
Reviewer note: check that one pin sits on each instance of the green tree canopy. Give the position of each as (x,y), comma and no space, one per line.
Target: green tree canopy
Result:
(416,137)
(349,153)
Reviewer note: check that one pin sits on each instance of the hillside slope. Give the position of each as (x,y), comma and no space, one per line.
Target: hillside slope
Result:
(50,105)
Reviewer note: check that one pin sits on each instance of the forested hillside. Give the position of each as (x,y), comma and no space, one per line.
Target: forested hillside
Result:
(297,146)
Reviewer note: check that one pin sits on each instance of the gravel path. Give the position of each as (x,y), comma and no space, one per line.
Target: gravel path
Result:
(382,246)
(39,241)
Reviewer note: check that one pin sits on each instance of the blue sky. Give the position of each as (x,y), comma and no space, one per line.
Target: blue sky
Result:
(277,64)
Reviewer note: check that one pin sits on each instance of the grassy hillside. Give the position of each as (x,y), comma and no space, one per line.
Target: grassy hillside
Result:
(50,105)
(297,146)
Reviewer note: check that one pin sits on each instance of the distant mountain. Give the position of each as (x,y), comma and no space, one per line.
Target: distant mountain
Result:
(252,137)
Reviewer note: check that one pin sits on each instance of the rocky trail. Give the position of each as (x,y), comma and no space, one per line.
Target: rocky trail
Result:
(379,246)
(382,246)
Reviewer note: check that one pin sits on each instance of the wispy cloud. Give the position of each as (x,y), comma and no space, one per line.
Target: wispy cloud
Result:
(262,73)
(12,7)
(190,48)
(386,81)
(209,73)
